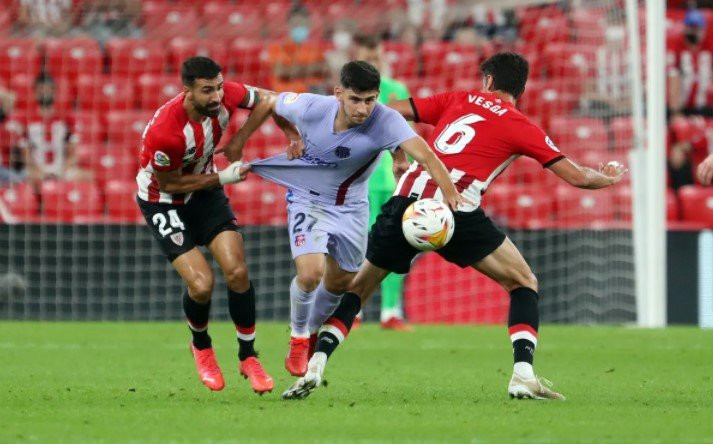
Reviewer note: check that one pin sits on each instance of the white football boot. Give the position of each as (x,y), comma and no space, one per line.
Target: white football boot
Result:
(310,381)
(534,388)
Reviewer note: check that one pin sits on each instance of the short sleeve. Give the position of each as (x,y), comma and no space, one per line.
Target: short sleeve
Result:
(234,94)
(396,130)
(429,109)
(531,141)
(292,106)
(166,151)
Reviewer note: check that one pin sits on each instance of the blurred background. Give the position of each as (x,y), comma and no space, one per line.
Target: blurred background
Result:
(79,80)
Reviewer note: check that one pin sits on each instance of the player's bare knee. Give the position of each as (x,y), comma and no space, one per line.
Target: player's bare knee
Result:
(308,280)
(200,289)
(237,278)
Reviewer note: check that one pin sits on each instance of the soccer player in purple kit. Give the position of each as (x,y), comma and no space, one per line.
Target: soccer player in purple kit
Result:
(328,207)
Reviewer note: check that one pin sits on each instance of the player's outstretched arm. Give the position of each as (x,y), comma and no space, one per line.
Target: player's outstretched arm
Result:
(401,163)
(404,108)
(263,110)
(418,149)
(588,178)
(705,170)
(173,182)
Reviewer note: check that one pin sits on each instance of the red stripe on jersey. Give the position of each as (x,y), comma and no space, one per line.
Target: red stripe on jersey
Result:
(154,191)
(344,187)
(429,190)
(334,322)
(521,327)
(409,181)
(464,183)
(217,131)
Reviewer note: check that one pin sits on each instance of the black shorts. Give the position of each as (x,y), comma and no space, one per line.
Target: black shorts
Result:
(179,228)
(475,237)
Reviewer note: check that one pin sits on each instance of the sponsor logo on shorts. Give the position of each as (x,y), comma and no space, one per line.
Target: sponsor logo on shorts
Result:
(161,159)
(300,240)
(177,238)
(291,98)
(343,152)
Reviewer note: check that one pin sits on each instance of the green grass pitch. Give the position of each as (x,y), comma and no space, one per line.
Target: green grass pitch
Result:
(136,382)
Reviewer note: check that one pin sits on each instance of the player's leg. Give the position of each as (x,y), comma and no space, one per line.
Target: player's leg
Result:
(392,285)
(196,273)
(506,266)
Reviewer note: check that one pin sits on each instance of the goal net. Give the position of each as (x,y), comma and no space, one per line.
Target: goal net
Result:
(79,80)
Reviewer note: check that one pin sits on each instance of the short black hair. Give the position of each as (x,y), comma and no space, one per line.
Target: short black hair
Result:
(509,71)
(360,76)
(199,68)
(44,77)
(369,41)
(298,11)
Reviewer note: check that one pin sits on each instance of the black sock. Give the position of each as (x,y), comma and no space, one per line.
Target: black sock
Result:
(523,322)
(337,327)
(242,311)
(197,315)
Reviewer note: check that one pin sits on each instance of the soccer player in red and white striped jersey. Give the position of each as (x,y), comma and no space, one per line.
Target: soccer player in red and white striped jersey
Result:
(477,135)
(182,199)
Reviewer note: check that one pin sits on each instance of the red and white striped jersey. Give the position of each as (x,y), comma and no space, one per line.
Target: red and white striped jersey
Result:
(694,66)
(171,141)
(476,136)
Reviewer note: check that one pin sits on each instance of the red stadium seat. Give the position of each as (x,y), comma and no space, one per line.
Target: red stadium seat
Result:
(527,171)
(71,201)
(132,57)
(516,206)
(18,203)
(697,204)
(104,94)
(258,202)
(543,99)
(402,59)
(577,208)
(419,87)
(570,61)
(121,202)
(154,90)
(579,134)
(110,162)
(181,48)
(19,56)
(622,202)
(450,61)
(229,21)
(438,291)
(170,20)
(622,134)
(70,57)
(588,25)
(251,62)
(267,141)
(88,127)
(126,127)
(534,58)
(543,26)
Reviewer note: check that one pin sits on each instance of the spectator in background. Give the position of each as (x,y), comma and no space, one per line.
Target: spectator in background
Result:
(335,58)
(490,24)
(9,133)
(298,65)
(705,171)
(690,67)
(48,144)
(687,147)
(382,182)
(46,18)
(7,103)
(105,19)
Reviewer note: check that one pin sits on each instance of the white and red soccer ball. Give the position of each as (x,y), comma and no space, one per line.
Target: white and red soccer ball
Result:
(428,224)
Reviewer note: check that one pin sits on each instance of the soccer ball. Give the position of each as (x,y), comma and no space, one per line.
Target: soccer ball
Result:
(427,224)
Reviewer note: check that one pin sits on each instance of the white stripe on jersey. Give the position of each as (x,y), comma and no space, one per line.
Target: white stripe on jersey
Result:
(223,118)
(201,163)
(143,179)
(410,170)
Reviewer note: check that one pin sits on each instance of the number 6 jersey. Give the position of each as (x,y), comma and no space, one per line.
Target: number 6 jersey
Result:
(476,135)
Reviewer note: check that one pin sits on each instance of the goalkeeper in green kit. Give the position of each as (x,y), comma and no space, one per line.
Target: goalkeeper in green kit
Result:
(382,182)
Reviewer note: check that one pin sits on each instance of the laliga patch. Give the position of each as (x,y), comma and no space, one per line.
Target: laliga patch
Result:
(551,144)
(161,159)
(177,238)
(290,98)
(300,240)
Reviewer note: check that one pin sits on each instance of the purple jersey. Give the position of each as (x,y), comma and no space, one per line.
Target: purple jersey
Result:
(335,167)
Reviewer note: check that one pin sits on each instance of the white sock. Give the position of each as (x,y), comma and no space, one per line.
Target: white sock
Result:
(524,370)
(324,305)
(301,304)
(388,313)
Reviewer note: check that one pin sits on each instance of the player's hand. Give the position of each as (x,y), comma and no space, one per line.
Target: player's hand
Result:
(295,149)
(705,171)
(400,167)
(232,173)
(244,170)
(455,200)
(613,170)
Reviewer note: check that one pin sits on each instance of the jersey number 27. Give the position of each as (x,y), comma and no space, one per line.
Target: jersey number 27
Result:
(457,135)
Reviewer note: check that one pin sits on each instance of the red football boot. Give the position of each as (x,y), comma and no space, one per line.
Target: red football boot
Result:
(297,356)
(397,324)
(251,369)
(208,369)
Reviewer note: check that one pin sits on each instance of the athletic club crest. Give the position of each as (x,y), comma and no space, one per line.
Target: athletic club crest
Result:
(342,152)
(177,238)
(299,240)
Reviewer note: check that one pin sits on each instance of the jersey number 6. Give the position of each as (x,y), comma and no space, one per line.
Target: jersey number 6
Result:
(457,135)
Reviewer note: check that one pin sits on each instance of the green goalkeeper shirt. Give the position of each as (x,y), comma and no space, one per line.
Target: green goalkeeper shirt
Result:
(383,177)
